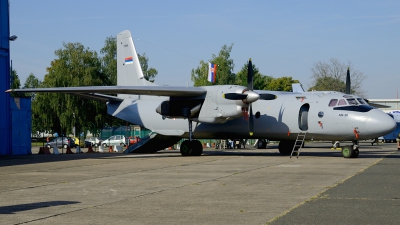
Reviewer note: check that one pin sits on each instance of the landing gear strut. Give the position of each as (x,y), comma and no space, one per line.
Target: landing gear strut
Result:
(191,147)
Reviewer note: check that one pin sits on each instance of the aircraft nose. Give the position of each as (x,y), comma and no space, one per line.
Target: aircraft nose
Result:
(379,123)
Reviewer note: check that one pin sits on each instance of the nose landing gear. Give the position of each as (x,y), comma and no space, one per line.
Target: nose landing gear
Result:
(351,151)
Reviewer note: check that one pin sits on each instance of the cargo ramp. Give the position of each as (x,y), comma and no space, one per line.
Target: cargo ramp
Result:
(154,142)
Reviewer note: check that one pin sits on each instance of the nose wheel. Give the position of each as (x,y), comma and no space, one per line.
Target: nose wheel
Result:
(351,151)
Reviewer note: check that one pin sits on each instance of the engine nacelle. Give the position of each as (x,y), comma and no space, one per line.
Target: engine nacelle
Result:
(217,109)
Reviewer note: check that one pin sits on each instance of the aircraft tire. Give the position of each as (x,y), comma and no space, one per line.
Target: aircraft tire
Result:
(261,144)
(348,151)
(186,148)
(197,148)
(356,153)
(286,147)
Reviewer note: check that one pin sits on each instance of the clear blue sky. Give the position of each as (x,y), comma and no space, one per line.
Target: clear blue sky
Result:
(283,38)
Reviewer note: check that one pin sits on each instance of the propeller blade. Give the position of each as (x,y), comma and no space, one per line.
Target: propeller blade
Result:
(348,82)
(376,105)
(268,96)
(251,121)
(250,76)
(234,96)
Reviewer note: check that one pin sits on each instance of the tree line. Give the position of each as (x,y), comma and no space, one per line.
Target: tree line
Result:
(76,65)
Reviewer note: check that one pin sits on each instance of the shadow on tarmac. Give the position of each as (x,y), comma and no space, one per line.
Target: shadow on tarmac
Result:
(325,147)
(11,209)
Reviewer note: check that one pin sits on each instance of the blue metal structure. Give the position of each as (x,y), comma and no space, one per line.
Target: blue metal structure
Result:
(5,113)
(21,126)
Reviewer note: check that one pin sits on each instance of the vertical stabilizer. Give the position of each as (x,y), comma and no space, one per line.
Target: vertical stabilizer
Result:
(129,72)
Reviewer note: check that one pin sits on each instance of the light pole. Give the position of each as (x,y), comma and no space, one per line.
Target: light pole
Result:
(13,38)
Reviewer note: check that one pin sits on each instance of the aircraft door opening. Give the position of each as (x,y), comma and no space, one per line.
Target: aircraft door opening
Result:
(303,117)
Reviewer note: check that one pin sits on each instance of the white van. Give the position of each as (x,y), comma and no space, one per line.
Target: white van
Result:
(114,140)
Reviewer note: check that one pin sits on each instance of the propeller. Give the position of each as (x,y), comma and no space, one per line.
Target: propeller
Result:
(250,88)
(249,96)
(348,91)
(235,96)
(348,82)
(268,96)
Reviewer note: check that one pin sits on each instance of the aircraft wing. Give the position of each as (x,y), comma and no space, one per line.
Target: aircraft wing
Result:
(91,91)
(98,97)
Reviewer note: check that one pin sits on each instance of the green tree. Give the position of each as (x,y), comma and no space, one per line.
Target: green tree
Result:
(15,84)
(331,76)
(75,66)
(281,84)
(260,81)
(149,73)
(32,82)
(224,72)
(109,61)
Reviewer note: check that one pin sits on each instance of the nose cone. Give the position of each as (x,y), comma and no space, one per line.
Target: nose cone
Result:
(251,96)
(379,123)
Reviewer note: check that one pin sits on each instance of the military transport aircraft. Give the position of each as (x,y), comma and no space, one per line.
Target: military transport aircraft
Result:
(229,111)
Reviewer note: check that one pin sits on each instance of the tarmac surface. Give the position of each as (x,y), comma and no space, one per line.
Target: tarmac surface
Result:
(245,186)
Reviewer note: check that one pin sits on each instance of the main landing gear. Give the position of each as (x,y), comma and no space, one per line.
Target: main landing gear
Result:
(191,147)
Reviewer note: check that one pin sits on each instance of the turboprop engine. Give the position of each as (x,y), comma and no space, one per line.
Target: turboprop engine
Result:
(220,104)
(225,102)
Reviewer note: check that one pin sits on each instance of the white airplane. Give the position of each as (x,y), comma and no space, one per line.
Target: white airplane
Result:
(229,111)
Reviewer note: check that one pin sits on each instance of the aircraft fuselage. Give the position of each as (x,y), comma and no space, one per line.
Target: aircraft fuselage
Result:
(281,119)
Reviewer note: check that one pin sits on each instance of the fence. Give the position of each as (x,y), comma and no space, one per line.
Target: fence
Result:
(128,131)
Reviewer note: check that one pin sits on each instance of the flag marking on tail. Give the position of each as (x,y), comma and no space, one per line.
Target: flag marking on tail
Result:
(129,60)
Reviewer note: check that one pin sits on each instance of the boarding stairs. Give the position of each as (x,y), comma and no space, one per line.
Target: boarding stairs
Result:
(298,144)
(154,142)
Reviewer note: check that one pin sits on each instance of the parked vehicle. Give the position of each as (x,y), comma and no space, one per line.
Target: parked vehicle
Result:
(131,140)
(114,140)
(78,142)
(94,141)
(391,137)
(61,142)
(88,143)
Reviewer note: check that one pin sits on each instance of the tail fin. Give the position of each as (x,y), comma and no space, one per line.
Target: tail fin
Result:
(129,72)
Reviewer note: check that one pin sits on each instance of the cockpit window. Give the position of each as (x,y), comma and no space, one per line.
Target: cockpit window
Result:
(361,101)
(332,103)
(342,102)
(352,101)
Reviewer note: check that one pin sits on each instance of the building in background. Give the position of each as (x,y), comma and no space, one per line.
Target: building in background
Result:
(5,112)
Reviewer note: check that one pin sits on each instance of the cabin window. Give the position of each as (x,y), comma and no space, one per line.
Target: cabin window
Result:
(342,102)
(332,103)
(361,101)
(352,101)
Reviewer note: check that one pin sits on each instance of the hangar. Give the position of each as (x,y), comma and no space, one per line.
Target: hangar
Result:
(15,114)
